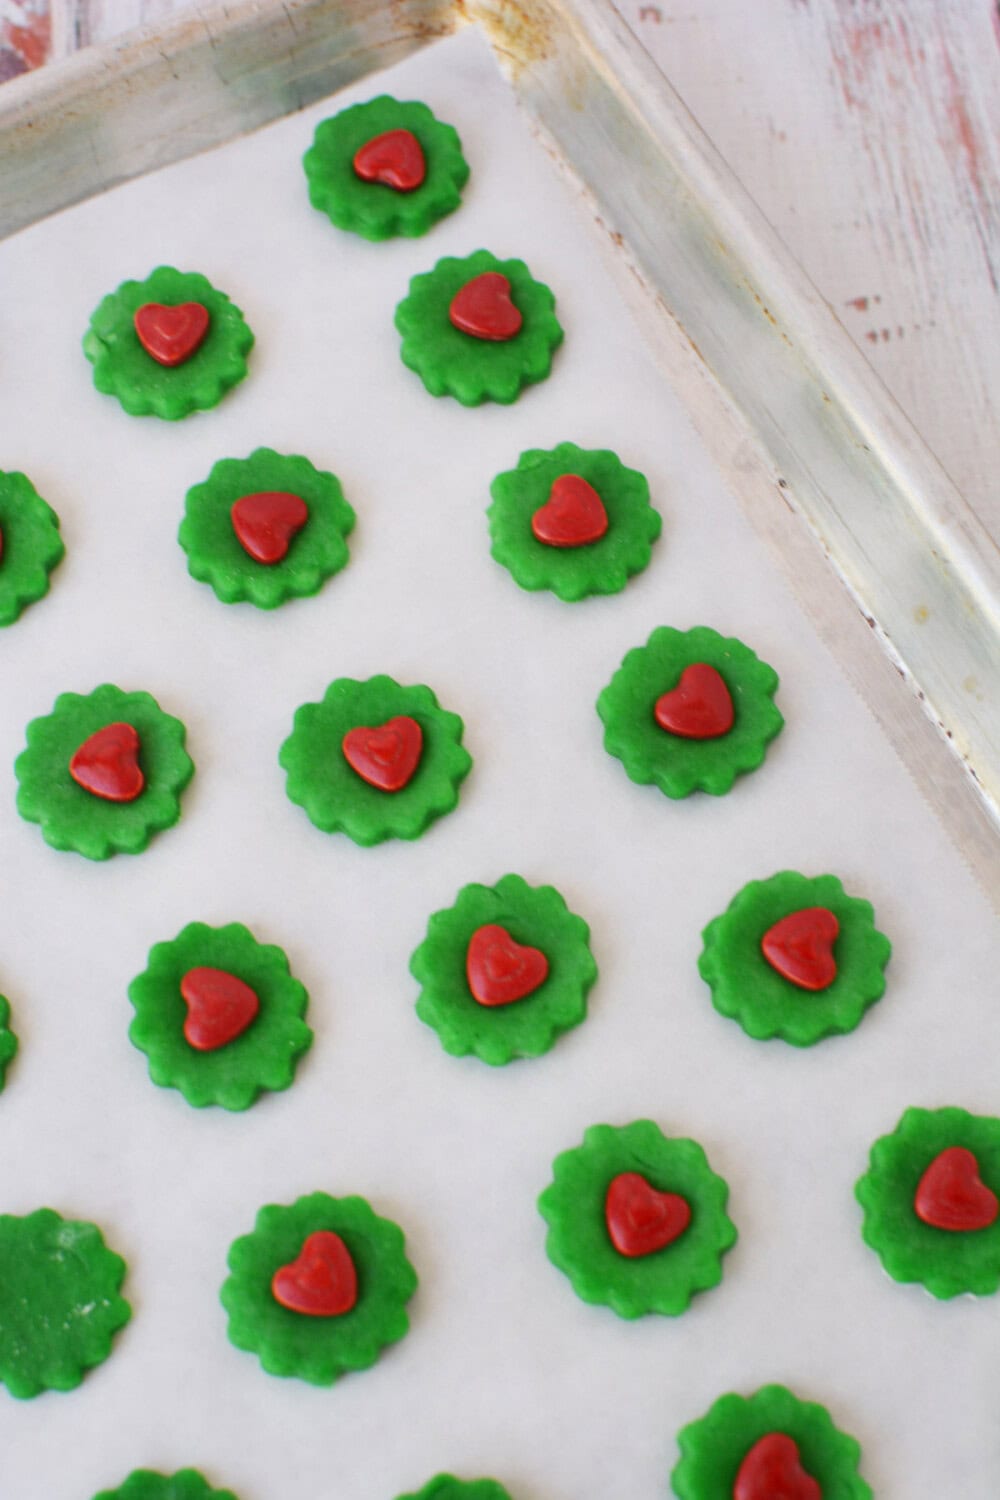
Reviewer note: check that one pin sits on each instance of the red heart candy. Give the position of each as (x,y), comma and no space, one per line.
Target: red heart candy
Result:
(699,707)
(171,334)
(220,1007)
(107,764)
(394,158)
(772,1470)
(800,947)
(573,515)
(384,755)
(499,970)
(951,1194)
(321,1281)
(639,1218)
(483,307)
(265,523)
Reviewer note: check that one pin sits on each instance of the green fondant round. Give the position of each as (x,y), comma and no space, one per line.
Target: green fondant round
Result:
(146,1484)
(318,1349)
(946,1262)
(72,817)
(374,209)
(30,545)
(603,566)
(535,917)
(263,1057)
(336,798)
(677,765)
(579,1243)
(749,990)
(59,1301)
(217,557)
(453,363)
(123,368)
(447,1487)
(714,1447)
(8,1041)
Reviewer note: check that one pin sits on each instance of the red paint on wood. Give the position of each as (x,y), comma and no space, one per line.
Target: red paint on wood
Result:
(32,40)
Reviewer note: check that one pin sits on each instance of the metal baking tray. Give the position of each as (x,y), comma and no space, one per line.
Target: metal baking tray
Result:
(886,557)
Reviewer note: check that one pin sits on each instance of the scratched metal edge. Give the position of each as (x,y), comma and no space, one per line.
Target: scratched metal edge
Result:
(888,560)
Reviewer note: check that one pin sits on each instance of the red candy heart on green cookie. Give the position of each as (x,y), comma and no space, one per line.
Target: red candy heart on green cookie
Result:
(572,516)
(171,334)
(699,707)
(394,158)
(483,308)
(772,1470)
(639,1218)
(800,947)
(265,523)
(951,1195)
(321,1281)
(220,1007)
(107,764)
(499,970)
(384,755)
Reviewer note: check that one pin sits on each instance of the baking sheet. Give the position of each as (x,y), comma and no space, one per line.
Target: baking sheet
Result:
(504,1372)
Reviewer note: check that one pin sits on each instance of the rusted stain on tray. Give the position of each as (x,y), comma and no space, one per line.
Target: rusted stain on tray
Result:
(410,24)
(521,32)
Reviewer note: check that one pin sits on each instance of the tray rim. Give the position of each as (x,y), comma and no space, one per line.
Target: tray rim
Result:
(792,412)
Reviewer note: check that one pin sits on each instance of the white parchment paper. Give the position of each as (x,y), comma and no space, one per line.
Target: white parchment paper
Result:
(504,1371)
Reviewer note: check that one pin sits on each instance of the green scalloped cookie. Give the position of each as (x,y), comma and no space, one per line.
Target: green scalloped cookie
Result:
(682,763)
(147,1484)
(308,542)
(318,1348)
(636,1179)
(447,1487)
(237,1053)
(451,362)
(947,1261)
(30,545)
(552,539)
(714,1448)
(748,988)
(59,1302)
(73,817)
(337,797)
(144,386)
(499,1029)
(369,204)
(8,1041)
